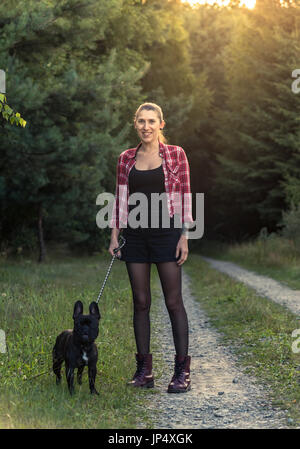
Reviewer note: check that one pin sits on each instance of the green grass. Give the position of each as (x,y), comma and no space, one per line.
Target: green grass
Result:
(272,256)
(36,304)
(258,331)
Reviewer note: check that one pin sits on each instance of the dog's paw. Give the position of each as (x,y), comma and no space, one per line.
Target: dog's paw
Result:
(94,391)
(72,391)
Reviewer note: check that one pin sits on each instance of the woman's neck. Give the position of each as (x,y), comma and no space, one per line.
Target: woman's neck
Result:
(150,148)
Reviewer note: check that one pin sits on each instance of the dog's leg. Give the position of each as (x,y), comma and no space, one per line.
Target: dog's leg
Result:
(70,378)
(92,377)
(79,374)
(57,362)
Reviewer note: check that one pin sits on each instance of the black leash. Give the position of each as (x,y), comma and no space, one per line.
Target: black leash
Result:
(109,268)
(99,296)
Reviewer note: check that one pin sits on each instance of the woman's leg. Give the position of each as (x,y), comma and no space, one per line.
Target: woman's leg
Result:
(170,277)
(139,276)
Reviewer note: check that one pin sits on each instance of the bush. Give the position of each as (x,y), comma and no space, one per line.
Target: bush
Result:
(291,224)
(25,239)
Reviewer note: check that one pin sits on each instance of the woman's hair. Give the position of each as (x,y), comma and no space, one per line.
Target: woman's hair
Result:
(158,110)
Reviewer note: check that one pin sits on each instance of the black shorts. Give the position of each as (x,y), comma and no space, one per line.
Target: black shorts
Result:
(150,245)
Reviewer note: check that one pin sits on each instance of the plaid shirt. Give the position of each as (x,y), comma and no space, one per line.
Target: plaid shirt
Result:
(177,184)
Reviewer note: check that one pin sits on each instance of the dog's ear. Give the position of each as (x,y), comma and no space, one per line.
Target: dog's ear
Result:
(78,309)
(94,310)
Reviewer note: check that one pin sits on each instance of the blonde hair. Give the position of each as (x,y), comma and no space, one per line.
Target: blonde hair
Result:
(158,110)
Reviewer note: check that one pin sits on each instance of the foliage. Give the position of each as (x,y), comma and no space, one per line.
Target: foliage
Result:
(291,224)
(9,114)
(73,102)
(78,70)
(258,137)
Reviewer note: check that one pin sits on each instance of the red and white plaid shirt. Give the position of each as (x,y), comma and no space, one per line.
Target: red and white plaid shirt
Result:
(177,184)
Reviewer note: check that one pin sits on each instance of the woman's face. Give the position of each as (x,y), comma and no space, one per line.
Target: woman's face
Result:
(148,125)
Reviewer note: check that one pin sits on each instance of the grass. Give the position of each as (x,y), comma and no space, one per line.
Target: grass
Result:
(272,255)
(36,304)
(257,330)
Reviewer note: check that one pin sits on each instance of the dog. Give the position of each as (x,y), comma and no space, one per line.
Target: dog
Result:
(77,347)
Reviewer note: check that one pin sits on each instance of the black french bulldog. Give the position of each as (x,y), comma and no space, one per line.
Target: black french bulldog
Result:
(77,347)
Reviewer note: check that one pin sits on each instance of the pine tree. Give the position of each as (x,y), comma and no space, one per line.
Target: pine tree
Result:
(258,124)
(71,94)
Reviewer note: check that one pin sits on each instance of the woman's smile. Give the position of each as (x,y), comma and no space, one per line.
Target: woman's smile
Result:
(148,125)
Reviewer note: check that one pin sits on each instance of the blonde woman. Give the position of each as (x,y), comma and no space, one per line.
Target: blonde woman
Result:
(154,167)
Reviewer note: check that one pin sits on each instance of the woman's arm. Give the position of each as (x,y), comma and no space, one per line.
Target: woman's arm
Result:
(182,249)
(114,243)
(115,216)
(185,230)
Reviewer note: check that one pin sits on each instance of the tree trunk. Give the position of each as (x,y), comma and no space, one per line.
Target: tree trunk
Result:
(42,247)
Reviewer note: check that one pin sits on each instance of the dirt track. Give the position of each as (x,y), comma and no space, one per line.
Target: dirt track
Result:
(263,285)
(222,396)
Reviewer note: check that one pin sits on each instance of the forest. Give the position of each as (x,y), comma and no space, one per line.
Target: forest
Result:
(77,70)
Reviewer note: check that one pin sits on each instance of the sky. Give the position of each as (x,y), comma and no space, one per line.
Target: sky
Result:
(248,3)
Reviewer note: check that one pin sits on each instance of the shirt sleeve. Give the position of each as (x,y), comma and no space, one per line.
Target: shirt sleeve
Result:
(185,185)
(114,223)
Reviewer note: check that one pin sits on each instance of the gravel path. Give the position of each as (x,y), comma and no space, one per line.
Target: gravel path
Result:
(262,284)
(222,396)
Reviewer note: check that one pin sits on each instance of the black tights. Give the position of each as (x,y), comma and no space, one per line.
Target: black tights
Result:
(170,277)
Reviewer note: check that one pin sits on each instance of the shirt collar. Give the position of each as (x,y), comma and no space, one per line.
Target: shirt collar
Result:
(162,150)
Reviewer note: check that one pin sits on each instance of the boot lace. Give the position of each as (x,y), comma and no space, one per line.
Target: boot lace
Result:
(179,371)
(140,368)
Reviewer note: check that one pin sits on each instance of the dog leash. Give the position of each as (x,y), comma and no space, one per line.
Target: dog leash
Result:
(109,268)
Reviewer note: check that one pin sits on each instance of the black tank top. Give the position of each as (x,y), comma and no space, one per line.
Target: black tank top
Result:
(147,182)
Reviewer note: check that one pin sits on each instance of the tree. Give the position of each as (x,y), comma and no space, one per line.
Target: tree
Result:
(72,100)
(258,125)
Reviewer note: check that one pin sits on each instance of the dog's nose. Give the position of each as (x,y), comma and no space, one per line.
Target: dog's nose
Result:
(85,337)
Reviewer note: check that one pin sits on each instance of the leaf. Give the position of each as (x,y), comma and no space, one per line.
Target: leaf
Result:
(8,109)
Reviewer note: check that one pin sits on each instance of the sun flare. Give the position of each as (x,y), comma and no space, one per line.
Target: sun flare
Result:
(248,3)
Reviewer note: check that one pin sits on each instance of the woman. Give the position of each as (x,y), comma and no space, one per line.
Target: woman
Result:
(154,167)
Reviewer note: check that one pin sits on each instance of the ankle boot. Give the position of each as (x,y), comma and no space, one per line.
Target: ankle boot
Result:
(143,376)
(181,381)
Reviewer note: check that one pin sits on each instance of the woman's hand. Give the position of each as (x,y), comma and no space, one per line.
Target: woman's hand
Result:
(182,249)
(113,245)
